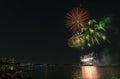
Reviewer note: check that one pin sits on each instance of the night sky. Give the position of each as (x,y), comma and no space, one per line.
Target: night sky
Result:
(34,30)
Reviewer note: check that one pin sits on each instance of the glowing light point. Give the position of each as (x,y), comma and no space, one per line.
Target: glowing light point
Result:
(104,37)
(89,44)
(91,30)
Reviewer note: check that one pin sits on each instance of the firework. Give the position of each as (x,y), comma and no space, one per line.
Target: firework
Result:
(76,19)
(76,41)
(89,36)
(86,32)
(95,32)
(88,59)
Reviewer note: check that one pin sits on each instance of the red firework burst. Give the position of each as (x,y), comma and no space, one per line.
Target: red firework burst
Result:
(76,19)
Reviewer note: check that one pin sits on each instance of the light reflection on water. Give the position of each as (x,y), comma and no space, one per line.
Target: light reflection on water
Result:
(85,72)
(77,72)
(89,72)
(96,72)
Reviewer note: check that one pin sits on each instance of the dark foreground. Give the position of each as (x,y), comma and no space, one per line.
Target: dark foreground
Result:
(67,71)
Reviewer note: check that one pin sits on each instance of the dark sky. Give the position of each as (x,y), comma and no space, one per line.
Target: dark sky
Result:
(34,30)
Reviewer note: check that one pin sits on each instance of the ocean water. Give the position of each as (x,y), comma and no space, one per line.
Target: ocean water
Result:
(51,71)
(67,71)
(72,71)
